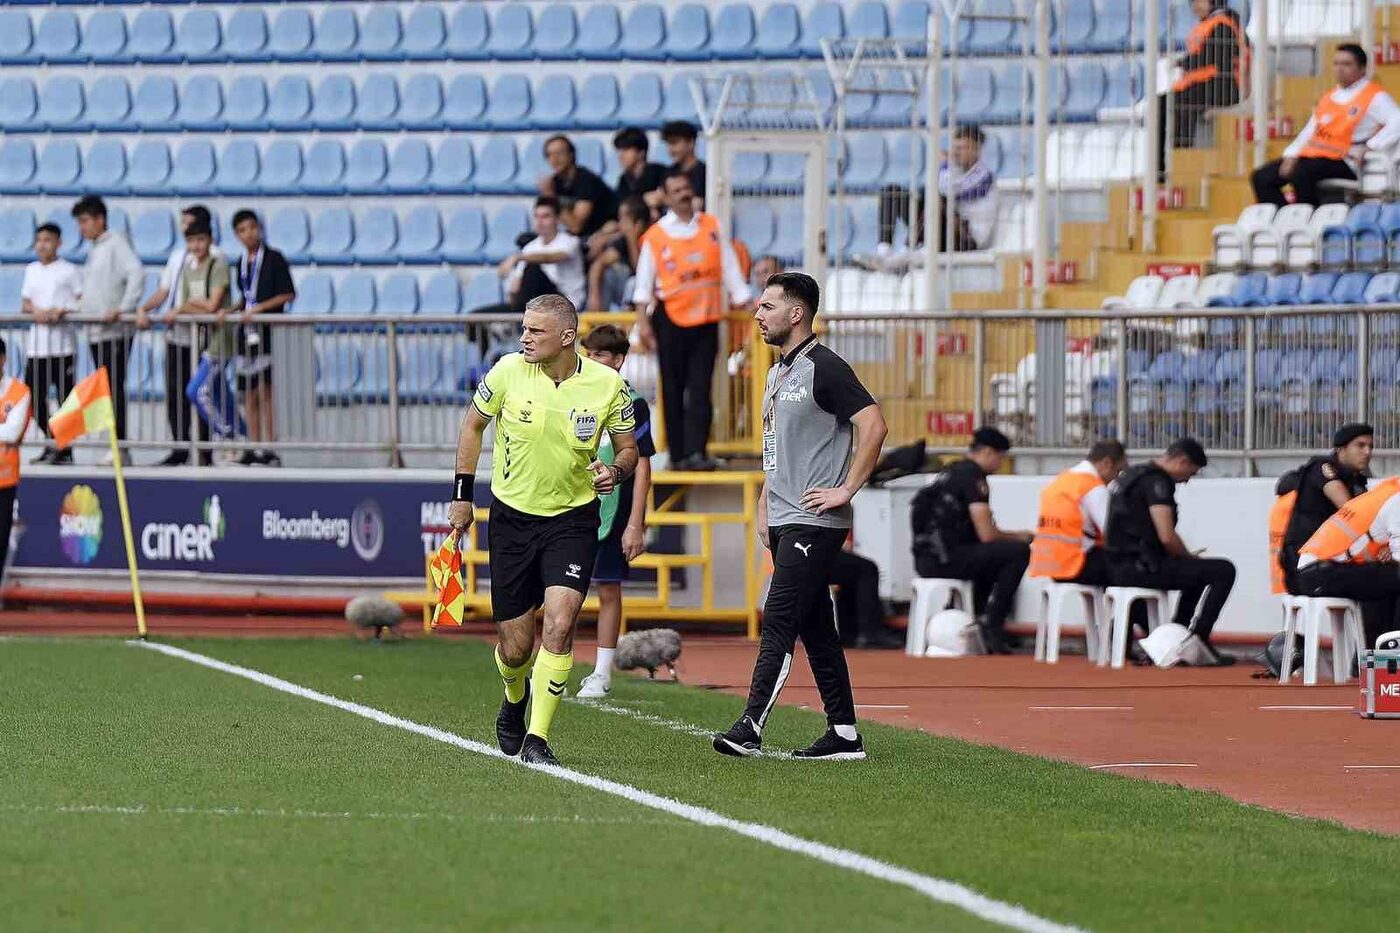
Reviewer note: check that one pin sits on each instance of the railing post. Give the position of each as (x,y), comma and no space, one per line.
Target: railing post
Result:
(979,366)
(391,333)
(1120,387)
(1249,408)
(1363,366)
(1040,247)
(192,410)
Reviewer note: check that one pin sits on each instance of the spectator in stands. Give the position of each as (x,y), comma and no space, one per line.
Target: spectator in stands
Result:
(763,269)
(686,266)
(1212,74)
(956,536)
(973,188)
(112,285)
(206,288)
(1324,485)
(613,267)
(265,284)
(180,352)
(1146,550)
(1353,118)
(1069,533)
(51,289)
(680,137)
(639,178)
(585,201)
(549,264)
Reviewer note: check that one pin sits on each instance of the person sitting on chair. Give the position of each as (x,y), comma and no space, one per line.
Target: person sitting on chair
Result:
(1068,543)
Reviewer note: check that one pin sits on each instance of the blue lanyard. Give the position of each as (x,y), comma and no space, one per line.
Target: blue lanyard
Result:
(248,277)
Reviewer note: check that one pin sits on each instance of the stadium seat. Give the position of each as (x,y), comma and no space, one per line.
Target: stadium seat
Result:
(778,33)
(337,35)
(904,162)
(509,105)
(1179,292)
(247,37)
(1351,288)
(17,38)
(865,162)
(1281,290)
(57,38)
(239,167)
(1074,32)
(324,172)
(824,21)
(554,102)
(468,31)
(366,166)
(152,39)
(422,107)
(442,294)
(420,370)
(333,107)
(600,33)
(420,238)
(975,91)
(556,33)
(1230,241)
(332,236)
(531,167)
(149,171)
(464,238)
(289,107)
(1143,294)
(869,20)
(598,101)
(410,167)
(60,168)
(1335,242)
(17,166)
(1217,285)
(1317,288)
(19,105)
(109,104)
(315,293)
(788,228)
(338,371)
(290,38)
(1113,27)
(376,236)
(425,33)
(641,101)
(910,21)
(17,235)
(483,290)
(497,166)
(453,166)
(282,168)
(464,107)
(199,38)
(103,42)
(192,172)
(378,103)
(680,100)
(505,225)
(398,295)
(381,40)
(996,34)
(1264,248)
(356,294)
(62,104)
(201,104)
(1246,291)
(688,36)
(153,235)
(747,169)
(1302,247)
(753,224)
(245,106)
(11,287)
(155,103)
(1383,289)
(512,32)
(1086,87)
(644,33)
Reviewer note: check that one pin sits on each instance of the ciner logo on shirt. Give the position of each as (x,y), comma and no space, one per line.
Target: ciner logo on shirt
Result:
(798,394)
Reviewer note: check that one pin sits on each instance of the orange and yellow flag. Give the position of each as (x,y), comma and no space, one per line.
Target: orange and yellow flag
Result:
(86,410)
(446,571)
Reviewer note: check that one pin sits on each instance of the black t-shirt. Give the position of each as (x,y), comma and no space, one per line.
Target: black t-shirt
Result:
(653,176)
(274,277)
(1130,532)
(965,482)
(587,186)
(1312,507)
(696,174)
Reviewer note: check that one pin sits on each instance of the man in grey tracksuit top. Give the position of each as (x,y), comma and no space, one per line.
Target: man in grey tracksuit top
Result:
(112,285)
(822,433)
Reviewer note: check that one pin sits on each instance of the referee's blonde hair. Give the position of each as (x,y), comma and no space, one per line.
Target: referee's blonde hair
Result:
(557,305)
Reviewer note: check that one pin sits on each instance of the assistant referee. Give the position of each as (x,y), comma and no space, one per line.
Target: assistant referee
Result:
(551,407)
(812,407)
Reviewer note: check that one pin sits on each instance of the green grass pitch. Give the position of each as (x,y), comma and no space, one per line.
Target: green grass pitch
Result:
(141,792)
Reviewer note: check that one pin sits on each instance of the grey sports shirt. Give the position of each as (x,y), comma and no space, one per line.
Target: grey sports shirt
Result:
(807,407)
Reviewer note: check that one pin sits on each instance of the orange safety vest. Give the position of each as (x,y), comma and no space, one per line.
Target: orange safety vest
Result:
(1279,516)
(1196,41)
(1334,124)
(1338,535)
(689,272)
(1057,551)
(9,453)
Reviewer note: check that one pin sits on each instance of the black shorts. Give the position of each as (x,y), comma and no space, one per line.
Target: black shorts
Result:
(530,553)
(611,566)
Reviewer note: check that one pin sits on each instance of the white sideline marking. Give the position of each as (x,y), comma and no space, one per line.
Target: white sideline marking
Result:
(675,725)
(142,809)
(1349,708)
(879,706)
(937,889)
(1087,709)
(1371,767)
(1144,764)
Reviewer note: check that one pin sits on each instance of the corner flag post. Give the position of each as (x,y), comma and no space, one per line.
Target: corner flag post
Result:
(126,534)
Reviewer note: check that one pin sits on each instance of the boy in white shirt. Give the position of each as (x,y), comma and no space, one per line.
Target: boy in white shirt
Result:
(550,264)
(51,289)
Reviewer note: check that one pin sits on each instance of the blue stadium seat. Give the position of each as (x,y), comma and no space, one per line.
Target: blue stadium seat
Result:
(289,106)
(104,38)
(997,36)
(109,103)
(289,39)
(62,104)
(589,153)
(688,37)
(11,287)
(464,238)
(680,103)
(376,236)
(60,168)
(1351,288)
(245,107)
(598,101)
(57,39)
(315,294)
(282,168)
(152,38)
(505,225)
(1085,85)
(442,294)
(378,103)
(786,171)
(199,37)
(421,378)
(824,21)
(334,103)
(410,167)
(865,162)
(149,171)
(325,168)
(467,32)
(366,166)
(869,20)
(422,107)
(155,103)
(332,236)
(464,107)
(910,21)
(600,33)
(644,33)
(374,374)
(201,104)
(747,169)
(338,370)
(382,38)
(1248,290)
(1336,241)
(779,31)
(337,37)
(497,165)
(17,235)
(19,105)
(641,101)
(17,38)
(787,239)
(976,91)
(904,160)
(1125,83)
(483,289)
(556,33)
(509,102)
(554,102)
(192,173)
(1011,95)
(420,239)
(153,235)
(753,223)
(17,166)
(454,166)
(425,33)
(239,167)
(1113,27)
(1317,288)
(398,294)
(1282,290)
(512,31)
(356,294)
(1074,28)
(247,36)
(1383,289)
(735,34)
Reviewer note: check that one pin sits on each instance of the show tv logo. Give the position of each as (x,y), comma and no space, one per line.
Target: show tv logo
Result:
(80,525)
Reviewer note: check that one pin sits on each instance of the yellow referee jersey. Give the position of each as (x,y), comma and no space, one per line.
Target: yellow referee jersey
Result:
(547,435)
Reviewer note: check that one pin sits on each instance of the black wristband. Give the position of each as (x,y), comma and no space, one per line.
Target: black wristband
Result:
(463,485)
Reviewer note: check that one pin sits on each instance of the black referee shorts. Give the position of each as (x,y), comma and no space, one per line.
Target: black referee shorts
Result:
(530,553)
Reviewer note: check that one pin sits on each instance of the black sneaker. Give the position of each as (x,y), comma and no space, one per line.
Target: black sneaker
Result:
(175,458)
(831,747)
(1216,658)
(537,752)
(270,459)
(880,638)
(993,639)
(248,458)
(510,723)
(49,455)
(741,741)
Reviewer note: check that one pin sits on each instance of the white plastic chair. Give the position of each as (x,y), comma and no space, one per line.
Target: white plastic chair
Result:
(1301,247)
(1228,240)
(1179,292)
(1143,294)
(1055,599)
(1214,286)
(1264,248)
(931,596)
(1348,636)
(1376,174)
(1118,604)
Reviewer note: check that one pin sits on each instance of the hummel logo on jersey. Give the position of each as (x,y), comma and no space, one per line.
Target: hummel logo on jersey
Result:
(804,548)
(574,570)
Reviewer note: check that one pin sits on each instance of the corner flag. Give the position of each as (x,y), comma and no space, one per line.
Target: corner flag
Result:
(86,410)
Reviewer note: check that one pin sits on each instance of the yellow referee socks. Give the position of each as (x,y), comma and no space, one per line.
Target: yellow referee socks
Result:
(514,677)
(547,683)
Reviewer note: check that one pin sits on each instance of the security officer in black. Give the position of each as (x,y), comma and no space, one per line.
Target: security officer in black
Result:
(1145,549)
(955,536)
(1324,485)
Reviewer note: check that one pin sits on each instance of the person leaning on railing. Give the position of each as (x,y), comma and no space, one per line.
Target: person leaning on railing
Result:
(1213,73)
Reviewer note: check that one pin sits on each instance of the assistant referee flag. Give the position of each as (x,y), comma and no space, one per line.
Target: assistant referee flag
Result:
(86,410)
(446,570)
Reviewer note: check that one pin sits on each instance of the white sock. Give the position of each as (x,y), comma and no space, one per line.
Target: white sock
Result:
(603,666)
(846,732)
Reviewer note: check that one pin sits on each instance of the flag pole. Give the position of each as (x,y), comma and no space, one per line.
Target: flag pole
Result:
(126,535)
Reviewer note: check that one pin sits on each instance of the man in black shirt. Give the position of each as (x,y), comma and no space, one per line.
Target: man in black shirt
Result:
(639,178)
(1145,549)
(585,200)
(680,137)
(955,536)
(265,283)
(1324,485)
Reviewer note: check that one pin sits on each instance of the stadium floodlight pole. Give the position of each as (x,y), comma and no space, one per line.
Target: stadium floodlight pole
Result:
(1259,81)
(1040,248)
(126,533)
(1152,56)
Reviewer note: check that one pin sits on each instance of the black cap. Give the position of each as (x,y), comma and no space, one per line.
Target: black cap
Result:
(1191,449)
(1350,432)
(990,437)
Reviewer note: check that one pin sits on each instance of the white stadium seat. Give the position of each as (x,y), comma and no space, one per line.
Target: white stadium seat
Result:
(1301,247)
(1228,240)
(1264,248)
(1143,294)
(1179,292)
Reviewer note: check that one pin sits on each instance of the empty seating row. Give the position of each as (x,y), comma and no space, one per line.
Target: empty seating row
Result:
(1259,290)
